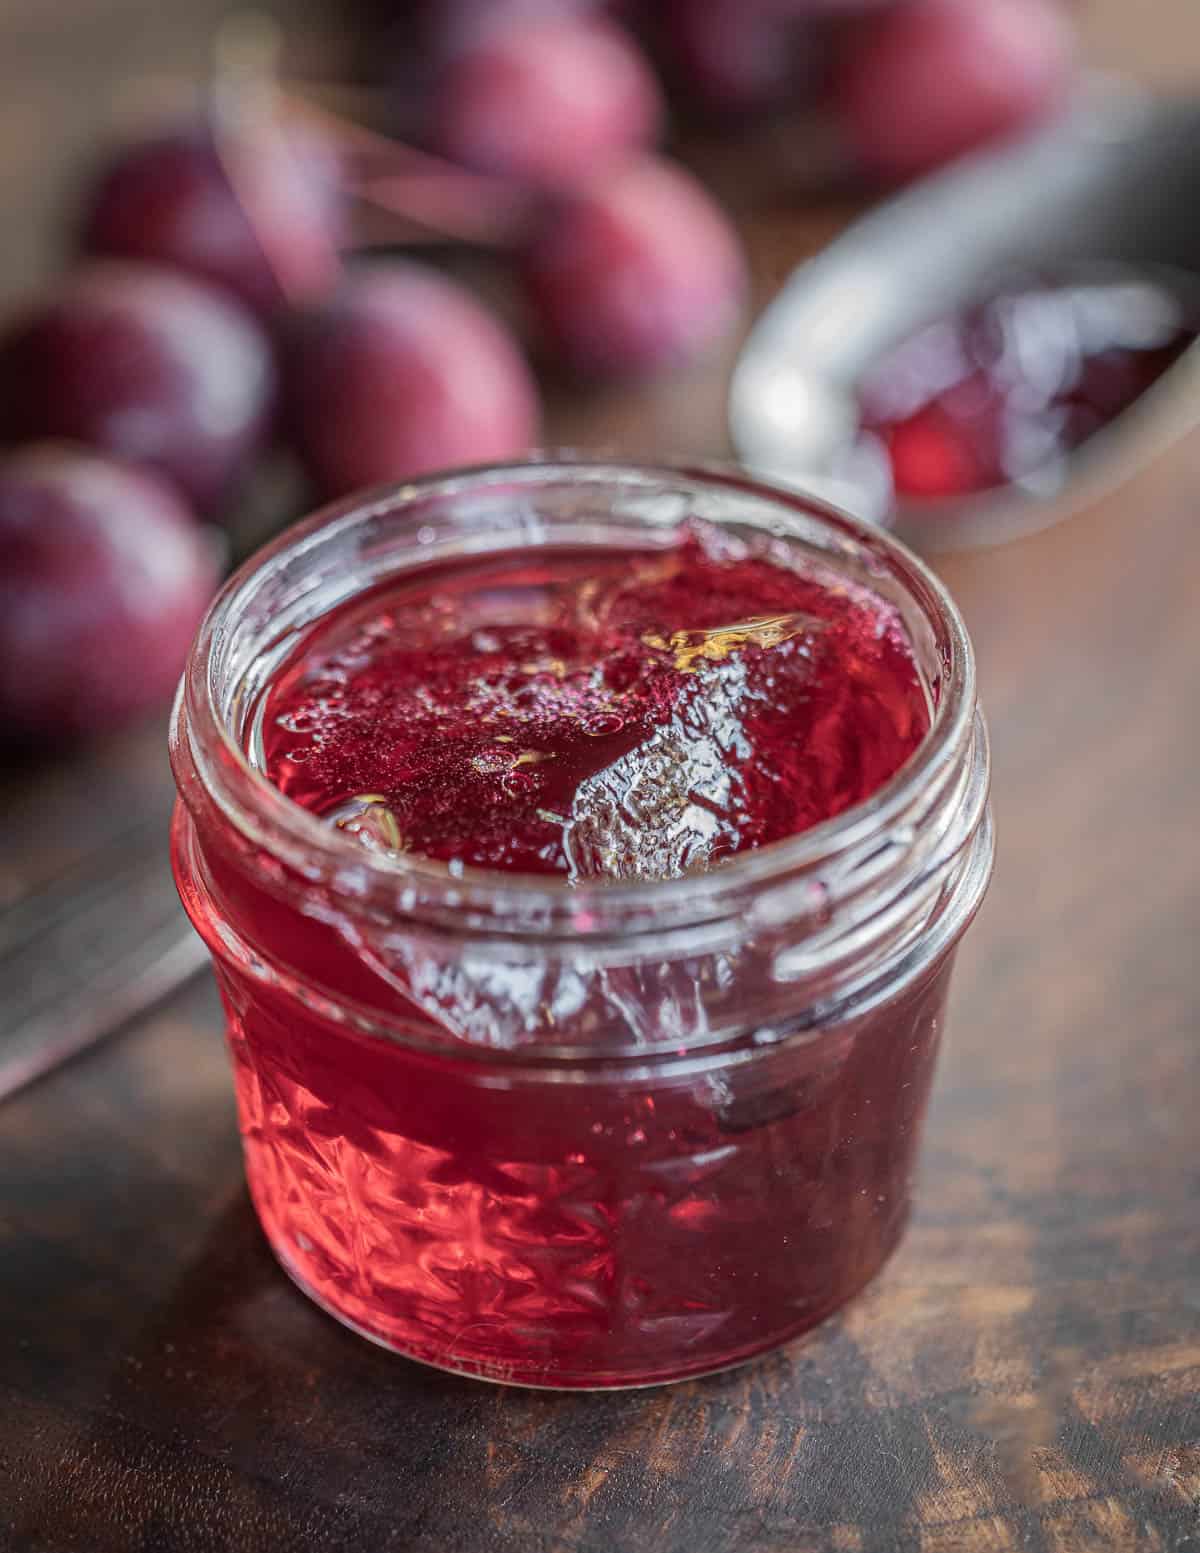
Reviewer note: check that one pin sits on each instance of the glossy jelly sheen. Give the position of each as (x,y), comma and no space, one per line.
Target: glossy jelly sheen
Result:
(570,1220)
(624,717)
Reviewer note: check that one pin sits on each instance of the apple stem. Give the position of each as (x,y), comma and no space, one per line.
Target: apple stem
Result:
(434,197)
(423,198)
(247,108)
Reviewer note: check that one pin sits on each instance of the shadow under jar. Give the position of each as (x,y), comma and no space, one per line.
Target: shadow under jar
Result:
(599,1134)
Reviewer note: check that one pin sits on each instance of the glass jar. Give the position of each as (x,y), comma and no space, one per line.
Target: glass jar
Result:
(604,1135)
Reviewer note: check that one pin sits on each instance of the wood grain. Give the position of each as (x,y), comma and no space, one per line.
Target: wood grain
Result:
(1026,1374)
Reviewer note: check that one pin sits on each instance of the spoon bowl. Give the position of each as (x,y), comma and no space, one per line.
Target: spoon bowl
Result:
(1113,184)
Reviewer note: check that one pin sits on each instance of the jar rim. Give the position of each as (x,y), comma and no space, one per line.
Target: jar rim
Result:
(264,817)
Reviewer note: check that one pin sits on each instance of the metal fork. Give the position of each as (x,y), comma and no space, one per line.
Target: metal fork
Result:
(86,953)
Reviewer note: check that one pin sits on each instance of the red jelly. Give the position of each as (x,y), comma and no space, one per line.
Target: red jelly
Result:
(583,905)
(615,716)
(1003,392)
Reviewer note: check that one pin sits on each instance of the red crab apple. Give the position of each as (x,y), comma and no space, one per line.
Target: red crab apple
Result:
(402,372)
(146,364)
(546,101)
(640,271)
(171,199)
(924,82)
(104,577)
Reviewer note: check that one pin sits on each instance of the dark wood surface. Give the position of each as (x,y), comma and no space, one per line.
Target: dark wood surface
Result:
(1025,1375)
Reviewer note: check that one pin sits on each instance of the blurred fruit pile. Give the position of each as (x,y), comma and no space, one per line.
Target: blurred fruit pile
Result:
(221,306)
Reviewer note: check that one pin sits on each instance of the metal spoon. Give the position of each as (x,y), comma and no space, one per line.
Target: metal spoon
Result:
(1117,180)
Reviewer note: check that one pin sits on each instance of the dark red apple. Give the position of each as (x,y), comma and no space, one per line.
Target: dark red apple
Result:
(639,272)
(399,373)
(170,199)
(146,364)
(546,101)
(924,82)
(104,577)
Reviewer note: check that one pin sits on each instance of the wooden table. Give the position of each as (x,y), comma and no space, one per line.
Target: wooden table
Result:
(1025,1375)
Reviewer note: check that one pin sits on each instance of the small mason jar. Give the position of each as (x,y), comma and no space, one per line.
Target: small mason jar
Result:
(599,1135)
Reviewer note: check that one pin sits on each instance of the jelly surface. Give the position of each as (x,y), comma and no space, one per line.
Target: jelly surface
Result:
(1004,391)
(627,715)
